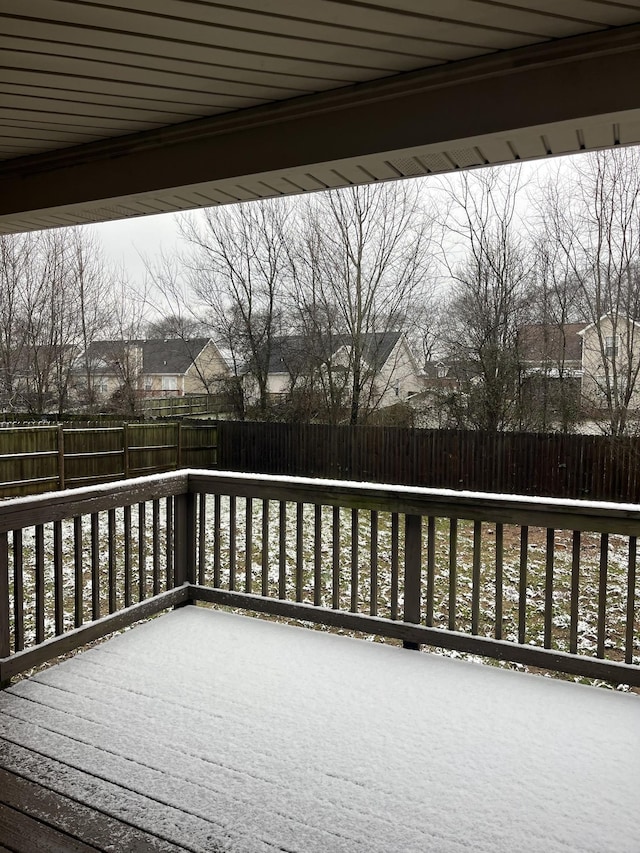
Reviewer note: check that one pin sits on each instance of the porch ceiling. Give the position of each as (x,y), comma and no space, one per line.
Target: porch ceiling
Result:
(110,110)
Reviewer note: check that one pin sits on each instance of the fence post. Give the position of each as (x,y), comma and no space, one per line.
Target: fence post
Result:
(184,561)
(179,446)
(412,573)
(61,457)
(5,645)
(125,449)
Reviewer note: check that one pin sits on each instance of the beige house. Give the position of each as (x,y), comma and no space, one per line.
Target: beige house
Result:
(611,362)
(391,370)
(154,368)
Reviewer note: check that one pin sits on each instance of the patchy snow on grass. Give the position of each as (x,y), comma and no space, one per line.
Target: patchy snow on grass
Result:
(589,581)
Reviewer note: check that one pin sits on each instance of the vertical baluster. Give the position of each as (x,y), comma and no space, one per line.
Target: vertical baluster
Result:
(155,524)
(184,538)
(265,547)
(39,565)
(127,555)
(499,579)
(248,549)
(431,568)
(475,577)
(169,551)
(335,592)
(217,512)
(355,557)
(317,555)
(575,593)
(299,550)
(602,593)
(78,582)
(631,600)
(18,592)
(232,541)
(142,552)
(522,584)
(202,542)
(453,571)
(395,563)
(5,607)
(111,524)
(282,552)
(412,572)
(58,579)
(548,588)
(95,567)
(373,609)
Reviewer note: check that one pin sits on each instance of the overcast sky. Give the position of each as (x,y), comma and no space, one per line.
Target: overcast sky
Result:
(127,241)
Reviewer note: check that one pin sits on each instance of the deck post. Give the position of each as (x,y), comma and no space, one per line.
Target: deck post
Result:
(5,639)
(184,539)
(412,573)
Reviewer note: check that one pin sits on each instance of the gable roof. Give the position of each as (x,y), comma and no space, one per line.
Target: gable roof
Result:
(173,355)
(589,326)
(294,353)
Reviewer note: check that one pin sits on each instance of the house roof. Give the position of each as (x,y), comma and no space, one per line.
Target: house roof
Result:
(110,109)
(292,353)
(173,356)
(551,342)
(589,326)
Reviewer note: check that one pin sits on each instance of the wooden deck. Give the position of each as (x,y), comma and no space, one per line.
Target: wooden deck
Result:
(206,731)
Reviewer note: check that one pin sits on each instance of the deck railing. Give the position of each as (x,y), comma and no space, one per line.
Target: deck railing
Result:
(541,583)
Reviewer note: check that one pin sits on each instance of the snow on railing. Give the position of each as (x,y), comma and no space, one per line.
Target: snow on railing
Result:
(538,582)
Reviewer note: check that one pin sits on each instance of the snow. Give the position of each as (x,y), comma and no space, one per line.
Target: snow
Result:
(232,733)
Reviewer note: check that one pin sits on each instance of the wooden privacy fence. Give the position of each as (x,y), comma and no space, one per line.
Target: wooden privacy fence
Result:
(553,465)
(41,458)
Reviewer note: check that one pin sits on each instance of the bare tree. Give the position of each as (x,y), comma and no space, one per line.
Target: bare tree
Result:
(238,262)
(16,252)
(488,262)
(362,269)
(595,223)
(53,290)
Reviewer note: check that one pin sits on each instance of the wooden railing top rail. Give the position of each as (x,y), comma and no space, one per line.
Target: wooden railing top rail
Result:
(561,513)
(17,513)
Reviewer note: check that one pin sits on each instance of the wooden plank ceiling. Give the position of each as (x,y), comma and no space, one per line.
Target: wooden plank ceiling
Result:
(111,109)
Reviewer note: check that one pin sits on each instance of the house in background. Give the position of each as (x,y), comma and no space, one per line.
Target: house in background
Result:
(151,368)
(551,350)
(611,362)
(389,368)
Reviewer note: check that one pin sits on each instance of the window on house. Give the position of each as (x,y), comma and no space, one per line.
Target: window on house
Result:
(611,346)
(169,383)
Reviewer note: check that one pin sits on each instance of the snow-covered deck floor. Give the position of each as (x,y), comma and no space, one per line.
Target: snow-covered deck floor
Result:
(205,731)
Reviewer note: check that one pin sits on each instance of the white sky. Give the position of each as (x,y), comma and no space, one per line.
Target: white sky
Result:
(127,241)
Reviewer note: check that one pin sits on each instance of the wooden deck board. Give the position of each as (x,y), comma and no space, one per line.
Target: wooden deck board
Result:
(203,731)
(51,814)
